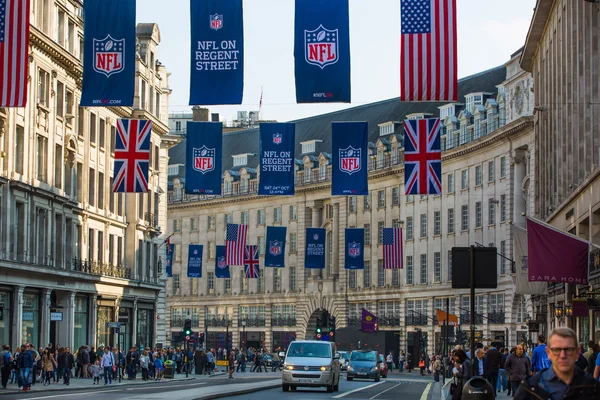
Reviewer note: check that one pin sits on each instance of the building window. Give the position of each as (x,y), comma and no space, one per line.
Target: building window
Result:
(409,228)
(292,278)
(423,226)
(260,217)
(451,183)
(293,243)
(502,259)
(101,190)
(478,176)
(307,174)
(396,277)
(464,213)
(502,208)
(102,136)
(322,171)
(177,126)
(464,179)
(437,223)
(449,265)
(60,99)
(503,167)
(211,222)
(228,286)
(437,266)
(211,250)
(19,149)
(367,275)
(293,215)
(228,219)
(451,220)
(352,204)
(423,269)
(381,199)
(410,198)
(176,225)
(380,274)
(492,212)
(367,234)
(409,270)
(491,171)
(92,188)
(193,224)
(277,214)
(395,196)
(260,241)
(43,88)
(367,202)
(211,281)
(42,158)
(245,218)
(175,284)
(380,226)
(478,214)
(352,278)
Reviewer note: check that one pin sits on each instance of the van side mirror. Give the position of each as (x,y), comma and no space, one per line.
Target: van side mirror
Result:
(281,354)
(336,356)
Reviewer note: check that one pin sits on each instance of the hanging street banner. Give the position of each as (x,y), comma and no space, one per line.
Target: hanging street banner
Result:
(354,256)
(109,53)
(194,261)
(221,267)
(315,248)
(322,51)
(204,144)
(275,252)
(169,260)
(349,167)
(217,52)
(277,173)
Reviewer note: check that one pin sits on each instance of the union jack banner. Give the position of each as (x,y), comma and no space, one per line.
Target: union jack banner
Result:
(251,268)
(422,156)
(392,248)
(235,244)
(132,156)
(14,52)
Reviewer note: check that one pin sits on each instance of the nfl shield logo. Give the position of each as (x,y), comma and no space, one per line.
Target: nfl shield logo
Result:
(204,159)
(321,46)
(216,21)
(350,160)
(109,55)
(316,236)
(195,252)
(354,249)
(221,262)
(275,248)
(277,138)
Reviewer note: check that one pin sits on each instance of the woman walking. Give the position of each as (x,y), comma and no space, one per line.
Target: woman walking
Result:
(48,366)
(144,360)
(108,365)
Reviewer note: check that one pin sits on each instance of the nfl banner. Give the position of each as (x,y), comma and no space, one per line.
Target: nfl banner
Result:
(109,53)
(354,258)
(275,254)
(217,52)
(349,168)
(221,267)
(277,172)
(322,51)
(169,260)
(194,261)
(203,162)
(315,248)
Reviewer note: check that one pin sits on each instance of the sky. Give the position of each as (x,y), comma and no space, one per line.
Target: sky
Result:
(488,33)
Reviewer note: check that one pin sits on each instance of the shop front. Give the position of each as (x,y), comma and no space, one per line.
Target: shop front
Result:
(145,325)
(254,340)
(5,316)
(125,319)
(81,322)
(30,328)
(282,340)
(106,314)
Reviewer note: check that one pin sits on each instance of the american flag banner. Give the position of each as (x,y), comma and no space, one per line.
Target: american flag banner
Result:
(251,268)
(235,244)
(132,156)
(392,248)
(422,156)
(14,56)
(428,61)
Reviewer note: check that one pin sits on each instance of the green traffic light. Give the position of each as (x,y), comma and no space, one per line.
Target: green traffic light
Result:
(318,330)
(188,332)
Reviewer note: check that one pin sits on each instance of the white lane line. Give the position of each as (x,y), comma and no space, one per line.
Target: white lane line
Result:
(339,396)
(78,394)
(426,391)
(180,385)
(380,393)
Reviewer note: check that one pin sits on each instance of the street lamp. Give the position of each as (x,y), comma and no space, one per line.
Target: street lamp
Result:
(569,310)
(244,332)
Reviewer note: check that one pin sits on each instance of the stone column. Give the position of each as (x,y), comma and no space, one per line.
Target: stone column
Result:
(268,328)
(335,267)
(70,321)
(316,208)
(93,320)
(134,324)
(45,317)
(17,339)
(520,171)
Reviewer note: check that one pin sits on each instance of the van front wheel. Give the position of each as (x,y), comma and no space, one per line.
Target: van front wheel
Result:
(285,387)
(329,388)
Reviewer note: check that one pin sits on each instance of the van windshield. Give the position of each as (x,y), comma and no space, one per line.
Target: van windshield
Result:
(362,356)
(309,350)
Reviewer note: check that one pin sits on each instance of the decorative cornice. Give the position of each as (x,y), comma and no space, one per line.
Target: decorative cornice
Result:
(69,62)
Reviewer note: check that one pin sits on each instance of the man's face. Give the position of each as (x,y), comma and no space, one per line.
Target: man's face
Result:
(68,350)
(519,350)
(562,361)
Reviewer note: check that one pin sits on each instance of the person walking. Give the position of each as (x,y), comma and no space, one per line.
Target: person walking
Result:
(518,367)
(562,380)
(108,366)
(539,359)
(48,366)
(461,373)
(96,371)
(389,360)
(401,360)
(144,360)
(158,367)
(437,368)
(6,362)
(493,360)
(231,363)
(25,366)
(210,362)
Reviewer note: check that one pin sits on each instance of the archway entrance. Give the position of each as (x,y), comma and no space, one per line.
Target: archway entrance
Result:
(319,326)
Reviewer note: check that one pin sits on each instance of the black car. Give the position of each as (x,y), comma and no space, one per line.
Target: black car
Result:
(364,365)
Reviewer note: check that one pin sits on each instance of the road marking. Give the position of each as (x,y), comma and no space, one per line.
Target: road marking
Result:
(181,385)
(380,393)
(78,394)
(339,396)
(426,391)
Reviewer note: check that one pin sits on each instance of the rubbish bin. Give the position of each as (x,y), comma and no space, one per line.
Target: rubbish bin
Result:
(169,372)
(478,388)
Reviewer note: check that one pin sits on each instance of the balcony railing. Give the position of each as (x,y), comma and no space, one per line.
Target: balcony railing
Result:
(254,322)
(465,318)
(179,322)
(383,320)
(218,321)
(417,320)
(283,321)
(354,322)
(151,220)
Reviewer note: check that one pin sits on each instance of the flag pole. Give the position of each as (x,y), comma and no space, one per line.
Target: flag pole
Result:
(164,241)
(260,104)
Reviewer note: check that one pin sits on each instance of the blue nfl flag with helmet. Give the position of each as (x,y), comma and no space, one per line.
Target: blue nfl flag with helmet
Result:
(221,267)
(169,260)
(275,252)
(315,248)
(217,52)
(322,51)
(422,156)
(277,173)
(194,261)
(349,167)
(108,53)
(204,149)
(354,255)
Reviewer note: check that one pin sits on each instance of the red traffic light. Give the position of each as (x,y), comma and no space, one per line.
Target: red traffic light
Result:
(318,336)
(187,338)
(330,333)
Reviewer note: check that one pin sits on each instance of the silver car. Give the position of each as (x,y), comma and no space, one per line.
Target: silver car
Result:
(311,363)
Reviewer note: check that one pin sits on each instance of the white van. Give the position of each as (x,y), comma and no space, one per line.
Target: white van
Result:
(311,363)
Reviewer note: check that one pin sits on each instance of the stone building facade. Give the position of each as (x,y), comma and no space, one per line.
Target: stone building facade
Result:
(74,255)
(487,166)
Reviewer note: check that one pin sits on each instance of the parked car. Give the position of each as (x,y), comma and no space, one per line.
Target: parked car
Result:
(364,365)
(311,363)
(383,367)
(344,360)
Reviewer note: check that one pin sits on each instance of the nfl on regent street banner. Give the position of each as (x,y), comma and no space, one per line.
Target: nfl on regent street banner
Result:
(277,172)
(204,149)
(275,254)
(169,260)
(349,167)
(315,248)
(109,53)
(221,267)
(194,261)
(322,51)
(217,52)
(354,258)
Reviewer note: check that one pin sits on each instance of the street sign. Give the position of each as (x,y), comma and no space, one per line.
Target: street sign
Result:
(113,324)
(56,316)
(117,330)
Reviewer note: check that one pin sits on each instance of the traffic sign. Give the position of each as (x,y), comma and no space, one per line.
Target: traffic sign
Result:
(117,330)
(113,324)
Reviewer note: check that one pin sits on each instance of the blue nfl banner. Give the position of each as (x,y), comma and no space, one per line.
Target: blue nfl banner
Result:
(221,267)
(169,260)
(275,254)
(217,52)
(349,167)
(109,53)
(315,248)
(277,172)
(194,261)
(322,51)
(354,256)
(204,149)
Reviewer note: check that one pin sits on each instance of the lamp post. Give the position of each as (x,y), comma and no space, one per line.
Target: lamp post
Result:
(244,333)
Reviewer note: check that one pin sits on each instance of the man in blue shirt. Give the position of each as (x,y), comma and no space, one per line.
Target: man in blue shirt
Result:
(597,369)
(540,360)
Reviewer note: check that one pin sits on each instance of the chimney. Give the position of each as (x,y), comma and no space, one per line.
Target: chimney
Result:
(199,114)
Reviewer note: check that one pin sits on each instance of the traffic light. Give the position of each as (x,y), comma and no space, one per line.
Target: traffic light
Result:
(201,338)
(331,325)
(187,327)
